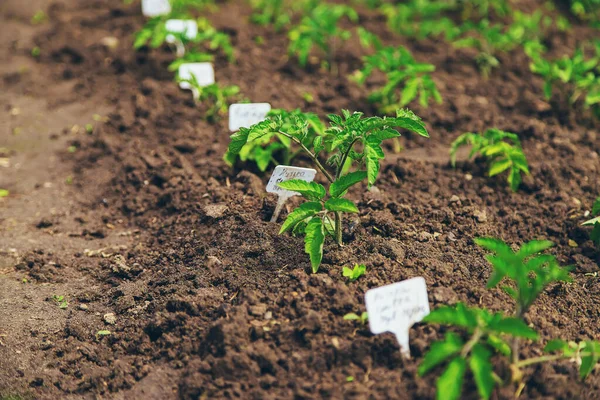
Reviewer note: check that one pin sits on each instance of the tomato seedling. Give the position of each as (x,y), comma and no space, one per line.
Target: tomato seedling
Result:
(363,318)
(321,216)
(502,156)
(354,273)
(270,12)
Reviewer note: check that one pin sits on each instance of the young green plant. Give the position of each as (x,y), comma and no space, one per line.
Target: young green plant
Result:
(595,223)
(502,155)
(349,140)
(354,273)
(406,79)
(215,98)
(271,12)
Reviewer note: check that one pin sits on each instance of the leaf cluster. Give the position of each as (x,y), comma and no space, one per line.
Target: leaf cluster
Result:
(585,353)
(319,28)
(595,222)
(354,273)
(271,12)
(420,19)
(363,318)
(405,79)
(586,10)
(496,146)
(263,144)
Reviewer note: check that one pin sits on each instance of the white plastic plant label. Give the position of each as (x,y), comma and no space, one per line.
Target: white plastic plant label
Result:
(154,8)
(186,27)
(283,173)
(395,308)
(244,115)
(203,72)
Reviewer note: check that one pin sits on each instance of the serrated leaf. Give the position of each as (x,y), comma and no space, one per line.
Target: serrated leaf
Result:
(373,155)
(238,140)
(493,244)
(480,365)
(313,242)
(339,187)
(343,205)
(514,327)
(499,344)
(440,352)
(459,315)
(310,190)
(533,247)
(449,384)
(304,211)
(500,166)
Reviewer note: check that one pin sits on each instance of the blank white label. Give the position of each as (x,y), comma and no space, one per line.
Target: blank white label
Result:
(284,173)
(245,115)
(188,27)
(154,8)
(396,307)
(204,73)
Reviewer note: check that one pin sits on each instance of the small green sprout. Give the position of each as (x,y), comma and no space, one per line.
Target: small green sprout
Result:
(101,333)
(4,193)
(72,149)
(36,51)
(502,155)
(349,379)
(595,222)
(320,28)
(270,12)
(60,301)
(406,79)
(350,140)
(39,17)
(363,318)
(354,273)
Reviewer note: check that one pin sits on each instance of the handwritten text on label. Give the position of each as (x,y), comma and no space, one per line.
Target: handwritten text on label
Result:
(245,115)
(396,307)
(283,173)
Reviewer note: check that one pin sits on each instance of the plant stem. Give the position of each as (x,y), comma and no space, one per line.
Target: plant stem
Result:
(516,341)
(338,173)
(472,342)
(536,360)
(338,228)
(311,155)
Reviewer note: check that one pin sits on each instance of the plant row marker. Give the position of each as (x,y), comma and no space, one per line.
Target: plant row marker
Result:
(395,308)
(244,115)
(283,173)
(155,8)
(203,72)
(186,27)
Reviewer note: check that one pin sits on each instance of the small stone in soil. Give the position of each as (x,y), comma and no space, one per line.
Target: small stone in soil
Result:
(83,307)
(110,318)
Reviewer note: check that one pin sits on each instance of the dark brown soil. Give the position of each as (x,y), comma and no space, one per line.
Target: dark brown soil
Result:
(210,302)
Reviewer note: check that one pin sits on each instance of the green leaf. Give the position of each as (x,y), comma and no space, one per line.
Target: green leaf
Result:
(310,190)
(596,207)
(449,384)
(408,120)
(533,247)
(500,166)
(459,315)
(555,345)
(480,365)
(515,327)
(373,154)
(343,205)
(493,244)
(339,187)
(238,140)
(440,352)
(305,210)
(588,361)
(314,239)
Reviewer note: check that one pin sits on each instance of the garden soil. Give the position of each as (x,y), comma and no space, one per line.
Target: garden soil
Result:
(120,202)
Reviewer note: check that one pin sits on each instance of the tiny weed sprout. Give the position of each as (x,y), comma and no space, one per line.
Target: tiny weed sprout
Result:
(99,334)
(594,222)
(215,98)
(321,216)
(406,79)
(270,12)
(273,147)
(578,72)
(529,272)
(354,273)
(60,301)
(502,156)
(363,318)
(320,28)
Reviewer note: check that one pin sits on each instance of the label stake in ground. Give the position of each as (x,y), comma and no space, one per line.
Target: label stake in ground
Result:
(154,8)
(244,115)
(203,72)
(283,173)
(395,308)
(185,27)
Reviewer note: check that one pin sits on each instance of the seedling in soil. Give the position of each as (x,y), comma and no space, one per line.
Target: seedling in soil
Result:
(320,28)
(99,334)
(270,12)
(529,273)
(4,193)
(273,147)
(191,56)
(595,222)
(321,216)
(153,33)
(216,98)
(354,273)
(502,155)
(362,318)
(578,72)
(368,39)
(214,40)
(39,17)
(420,19)
(60,301)
(406,79)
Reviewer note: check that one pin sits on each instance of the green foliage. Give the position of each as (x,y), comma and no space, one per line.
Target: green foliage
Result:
(580,73)
(363,318)
(270,12)
(487,333)
(353,273)
(528,271)
(39,17)
(60,301)
(502,155)
(406,79)
(420,19)
(320,28)
(187,7)
(586,10)
(214,40)
(273,147)
(584,353)
(595,222)
(153,33)
(4,193)
(216,98)
(340,141)
(190,56)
